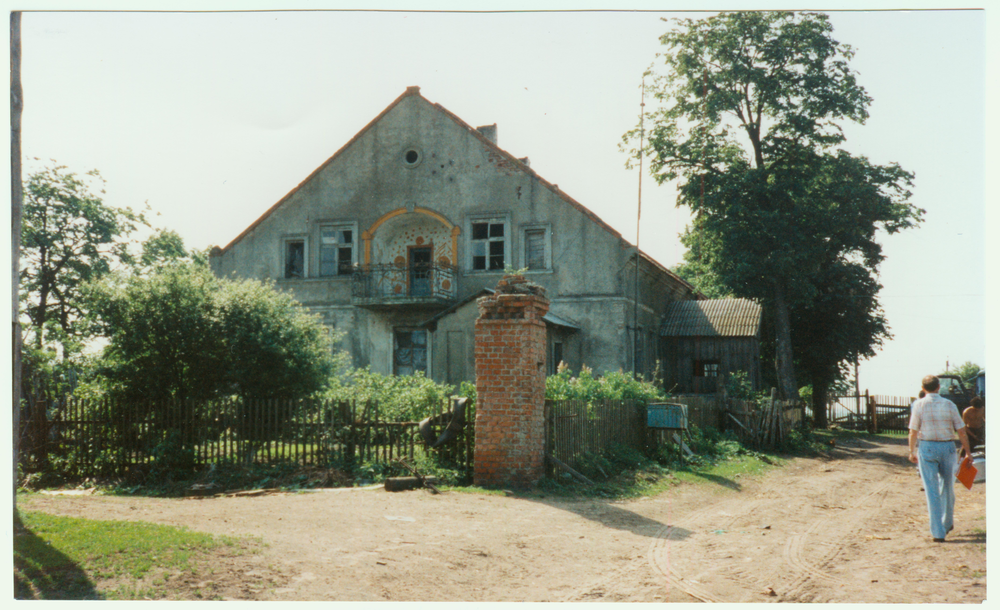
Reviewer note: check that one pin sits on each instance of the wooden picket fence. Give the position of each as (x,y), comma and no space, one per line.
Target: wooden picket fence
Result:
(110,439)
(575,428)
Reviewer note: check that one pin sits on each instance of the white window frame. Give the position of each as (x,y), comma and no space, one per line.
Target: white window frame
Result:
(507,238)
(546,240)
(283,256)
(355,241)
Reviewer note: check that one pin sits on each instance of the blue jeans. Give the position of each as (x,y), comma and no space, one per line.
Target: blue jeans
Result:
(937,461)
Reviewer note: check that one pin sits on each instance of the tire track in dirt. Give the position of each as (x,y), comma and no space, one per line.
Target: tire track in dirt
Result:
(615,583)
(682,564)
(837,533)
(666,551)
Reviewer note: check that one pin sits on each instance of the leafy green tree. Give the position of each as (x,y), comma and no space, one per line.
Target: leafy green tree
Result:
(180,337)
(162,247)
(696,270)
(273,347)
(967,370)
(748,123)
(183,334)
(843,323)
(165,336)
(69,237)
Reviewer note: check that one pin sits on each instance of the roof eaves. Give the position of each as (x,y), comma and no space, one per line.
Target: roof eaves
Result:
(453,308)
(699,296)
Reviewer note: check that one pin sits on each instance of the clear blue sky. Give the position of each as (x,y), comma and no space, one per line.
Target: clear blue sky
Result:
(212,118)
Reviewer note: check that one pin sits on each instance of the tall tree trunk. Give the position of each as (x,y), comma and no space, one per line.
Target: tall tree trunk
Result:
(820,395)
(783,347)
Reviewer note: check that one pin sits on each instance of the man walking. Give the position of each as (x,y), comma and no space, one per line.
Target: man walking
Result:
(933,424)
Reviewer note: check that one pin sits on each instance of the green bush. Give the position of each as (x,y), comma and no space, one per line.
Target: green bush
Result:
(172,457)
(399,397)
(610,386)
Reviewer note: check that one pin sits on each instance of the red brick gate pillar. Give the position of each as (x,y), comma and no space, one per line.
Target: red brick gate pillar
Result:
(510,385)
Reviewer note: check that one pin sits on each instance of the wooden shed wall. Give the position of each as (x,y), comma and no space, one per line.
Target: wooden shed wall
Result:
(679,354)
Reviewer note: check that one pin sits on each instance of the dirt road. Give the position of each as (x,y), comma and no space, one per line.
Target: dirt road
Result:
(851,527)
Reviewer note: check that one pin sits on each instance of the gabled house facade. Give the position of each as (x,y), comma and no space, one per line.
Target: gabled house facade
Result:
(394,237)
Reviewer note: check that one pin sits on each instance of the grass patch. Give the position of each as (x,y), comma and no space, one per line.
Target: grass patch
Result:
(720,459)
(71,558)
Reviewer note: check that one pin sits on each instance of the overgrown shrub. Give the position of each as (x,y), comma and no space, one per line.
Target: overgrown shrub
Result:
(399,397)
(610,386)
(173,459)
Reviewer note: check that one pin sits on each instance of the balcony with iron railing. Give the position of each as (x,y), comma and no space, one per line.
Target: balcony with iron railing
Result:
(390,286)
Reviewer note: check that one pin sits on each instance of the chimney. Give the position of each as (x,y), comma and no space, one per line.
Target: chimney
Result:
(490,131)
(525,160)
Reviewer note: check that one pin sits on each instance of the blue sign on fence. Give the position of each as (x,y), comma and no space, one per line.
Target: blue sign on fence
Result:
(666,415)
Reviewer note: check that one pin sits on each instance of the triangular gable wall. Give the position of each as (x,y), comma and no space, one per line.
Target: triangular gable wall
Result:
(511,160)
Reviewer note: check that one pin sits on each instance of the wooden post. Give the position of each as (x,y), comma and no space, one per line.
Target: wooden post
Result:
(873,407)
(17,194)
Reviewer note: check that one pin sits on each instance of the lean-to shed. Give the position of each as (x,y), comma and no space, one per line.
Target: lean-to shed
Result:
(704,341)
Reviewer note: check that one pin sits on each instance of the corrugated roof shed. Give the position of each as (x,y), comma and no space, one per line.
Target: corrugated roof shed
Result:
(712,318)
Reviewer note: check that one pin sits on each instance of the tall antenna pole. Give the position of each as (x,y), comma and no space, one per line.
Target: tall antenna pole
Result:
(638,218)
(16,196)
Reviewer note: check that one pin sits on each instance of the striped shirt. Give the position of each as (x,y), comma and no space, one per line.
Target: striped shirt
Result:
(935,418)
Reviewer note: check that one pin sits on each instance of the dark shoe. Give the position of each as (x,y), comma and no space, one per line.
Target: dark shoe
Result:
(939,540)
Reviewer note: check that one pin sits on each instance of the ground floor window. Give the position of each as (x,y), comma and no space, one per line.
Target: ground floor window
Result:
(409,353)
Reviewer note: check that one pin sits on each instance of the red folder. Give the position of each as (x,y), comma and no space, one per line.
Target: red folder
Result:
(966,473)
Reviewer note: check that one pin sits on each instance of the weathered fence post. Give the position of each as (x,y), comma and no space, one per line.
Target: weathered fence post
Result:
(873,409)
(510,385)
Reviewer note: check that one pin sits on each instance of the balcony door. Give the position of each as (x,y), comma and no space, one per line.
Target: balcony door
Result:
(419,265)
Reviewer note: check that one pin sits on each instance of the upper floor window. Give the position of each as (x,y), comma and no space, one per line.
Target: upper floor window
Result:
(537,248)
(336,250)
(488,243)
(295,258)
(534,249)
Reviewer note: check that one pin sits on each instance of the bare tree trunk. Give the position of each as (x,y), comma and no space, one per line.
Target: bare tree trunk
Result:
(784,367)
(820,395)
(16,105)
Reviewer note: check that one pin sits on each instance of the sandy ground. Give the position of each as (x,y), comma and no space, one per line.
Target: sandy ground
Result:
(851,527)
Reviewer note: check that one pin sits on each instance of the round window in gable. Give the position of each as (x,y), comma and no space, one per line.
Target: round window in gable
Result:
(412,157)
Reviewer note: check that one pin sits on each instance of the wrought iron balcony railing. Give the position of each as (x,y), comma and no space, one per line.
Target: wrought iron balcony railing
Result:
(387,285)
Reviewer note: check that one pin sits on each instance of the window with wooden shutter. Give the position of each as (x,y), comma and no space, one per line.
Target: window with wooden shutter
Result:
(534,249)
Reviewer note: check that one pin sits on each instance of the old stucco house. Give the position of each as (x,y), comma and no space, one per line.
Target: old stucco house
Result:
(392,239)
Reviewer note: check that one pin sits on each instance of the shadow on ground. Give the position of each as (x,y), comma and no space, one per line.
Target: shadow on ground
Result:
(609,515)
(42,572)
(871,447)
(719,480)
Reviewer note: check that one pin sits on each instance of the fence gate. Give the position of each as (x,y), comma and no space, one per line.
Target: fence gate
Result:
(889,414)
